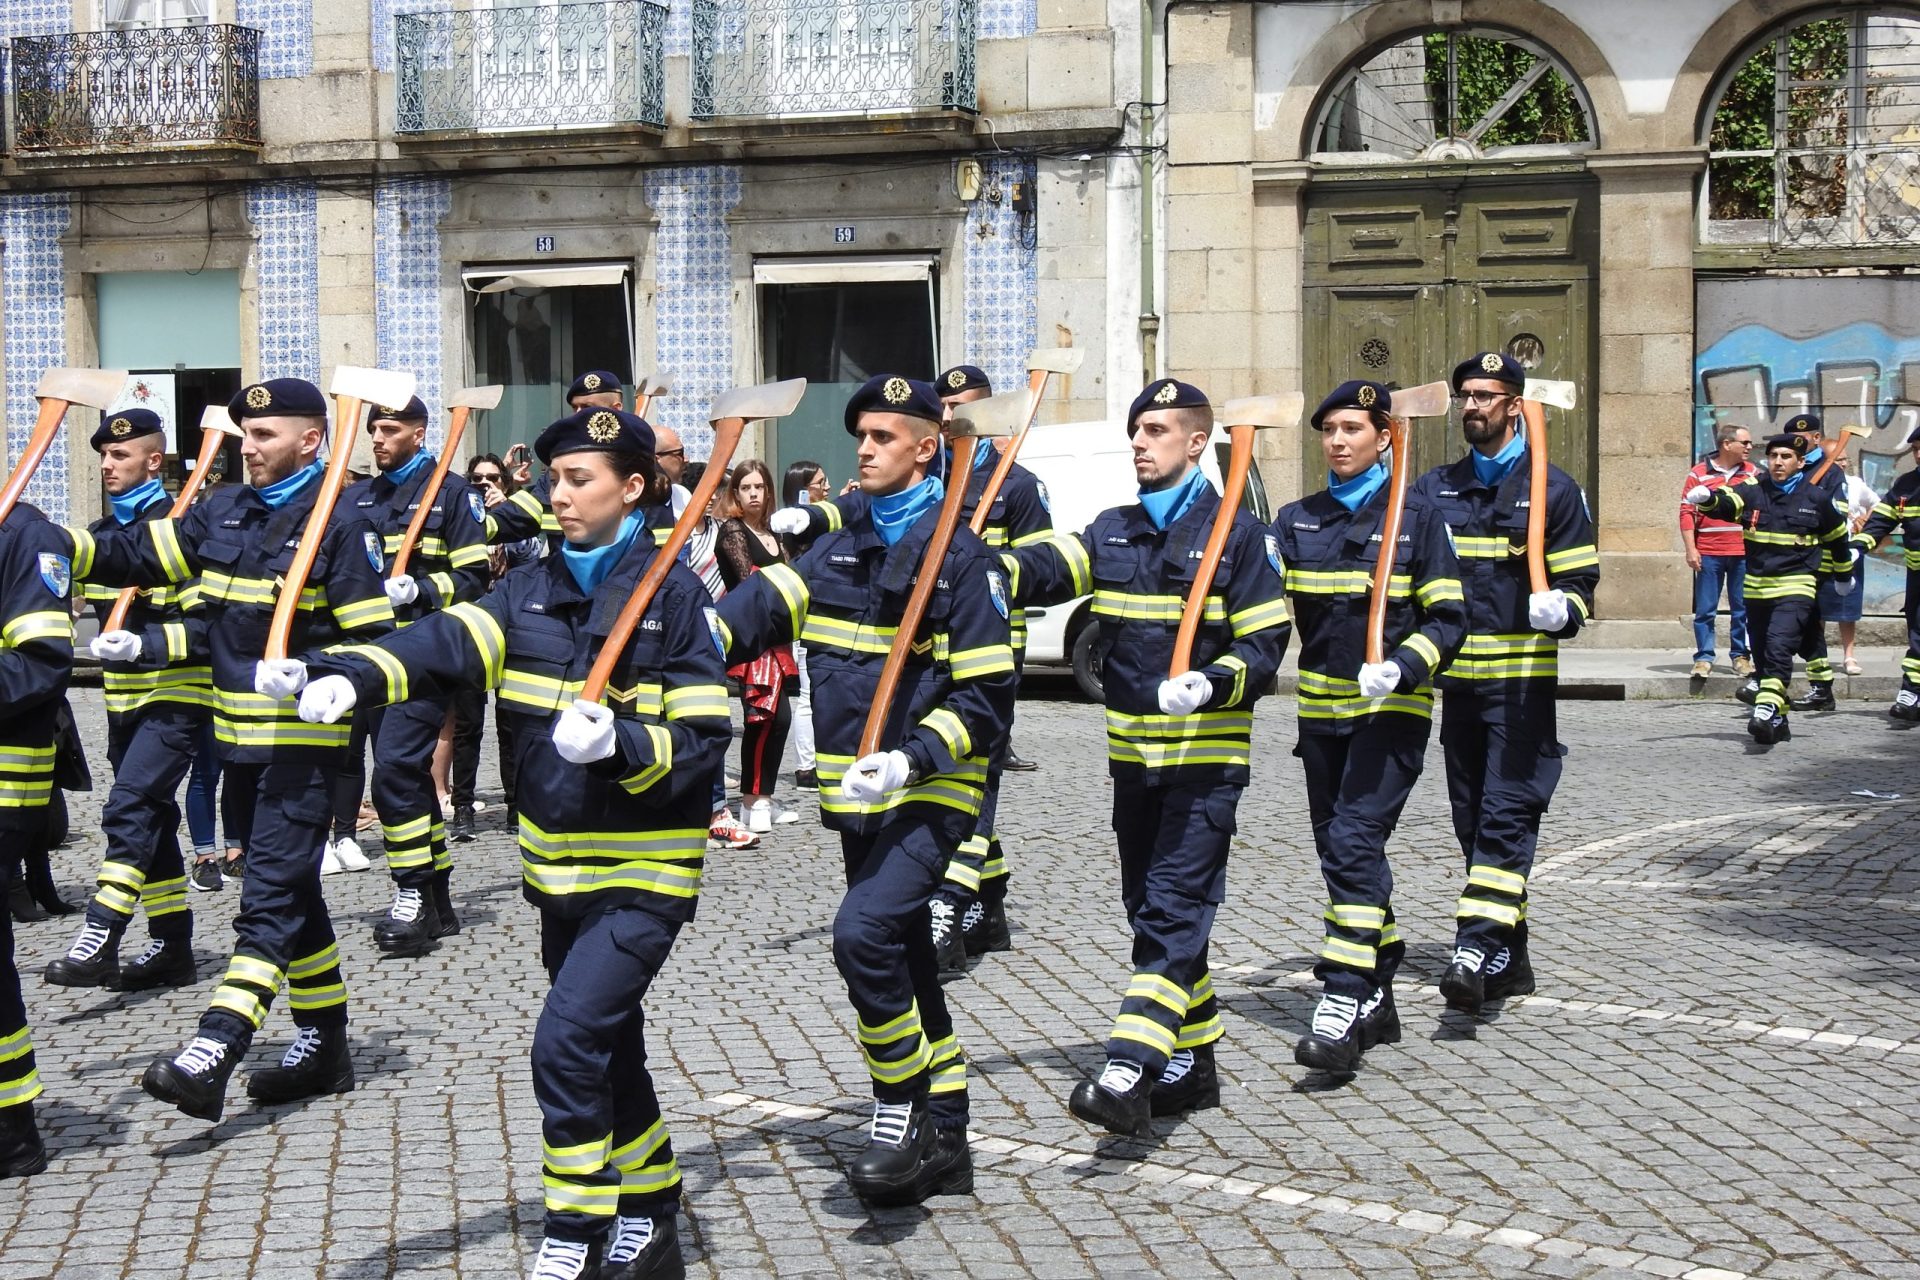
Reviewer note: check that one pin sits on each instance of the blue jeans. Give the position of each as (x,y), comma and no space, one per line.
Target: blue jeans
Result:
(1714,570)
(202,783)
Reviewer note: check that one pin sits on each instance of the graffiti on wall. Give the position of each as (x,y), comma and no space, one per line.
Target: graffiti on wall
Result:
(1847,349)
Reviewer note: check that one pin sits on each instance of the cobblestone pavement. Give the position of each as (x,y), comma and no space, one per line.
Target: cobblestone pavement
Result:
(1719,1077)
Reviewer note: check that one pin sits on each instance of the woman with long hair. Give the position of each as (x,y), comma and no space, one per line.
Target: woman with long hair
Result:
(806,481)
(769,681)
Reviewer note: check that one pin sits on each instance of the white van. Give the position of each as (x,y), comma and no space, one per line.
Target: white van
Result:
(1087,468)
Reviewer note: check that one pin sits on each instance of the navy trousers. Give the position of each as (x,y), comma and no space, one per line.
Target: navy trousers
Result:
(151,750)
(1503,764)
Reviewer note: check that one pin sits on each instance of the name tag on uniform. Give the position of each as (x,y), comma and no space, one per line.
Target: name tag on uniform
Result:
(534,606)
(650,624)
(230,524)
(1113,541)
(1522,503)
(1449,493)
(840,559)
(1310,528)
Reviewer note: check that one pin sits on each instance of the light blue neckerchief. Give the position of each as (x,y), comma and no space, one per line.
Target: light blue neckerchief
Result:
(1813,458)
(591,565)
(1164,506)
(408,469)
(128,506)
(895,513)
(1356,493)
(1491,471)
(1788,485)
(280,492)
(983,455)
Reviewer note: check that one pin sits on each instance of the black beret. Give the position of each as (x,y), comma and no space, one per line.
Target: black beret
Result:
(1490,364)
(125,425)
(963,377)
(1804,422)
(412,411)
(592,383)
(1787,440)
(603,430)
(1357,394)
(1166,393)
(1913,438)
(889,393)
(278,398)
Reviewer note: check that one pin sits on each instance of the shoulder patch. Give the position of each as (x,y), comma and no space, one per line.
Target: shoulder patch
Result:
(376,554)
(477,507)
(57,572)
(1273,554)
(1046,502)
(715,630)
(997,591)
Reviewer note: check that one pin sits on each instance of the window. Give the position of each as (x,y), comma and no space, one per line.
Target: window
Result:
(127,15)
(535,329)
(1814,139)
(1453,95)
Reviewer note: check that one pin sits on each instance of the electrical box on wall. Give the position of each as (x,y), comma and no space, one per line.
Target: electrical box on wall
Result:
(1022,193)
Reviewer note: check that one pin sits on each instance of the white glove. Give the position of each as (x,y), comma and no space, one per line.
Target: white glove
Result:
(873,776)
(1547,610)
(402,589)
(327,699)
(1378,679)
(584,732)
(1699,495)
(792,521)
(279,677)
(116,646)
(1843,585)
(1185,694)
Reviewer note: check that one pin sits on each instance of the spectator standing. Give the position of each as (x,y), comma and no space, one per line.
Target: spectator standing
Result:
(1844,610)
(805,481)
(769,681)
(1717,553)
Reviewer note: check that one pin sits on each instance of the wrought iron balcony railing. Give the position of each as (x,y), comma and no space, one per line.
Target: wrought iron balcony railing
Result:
(832,57)
(152,88)
(560,66)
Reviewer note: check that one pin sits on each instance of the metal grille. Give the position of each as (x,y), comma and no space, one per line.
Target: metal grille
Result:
(568,66)
(832,57)
(154,87)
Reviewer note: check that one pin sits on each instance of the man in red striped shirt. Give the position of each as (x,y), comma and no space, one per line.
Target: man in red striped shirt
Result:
(1717,554)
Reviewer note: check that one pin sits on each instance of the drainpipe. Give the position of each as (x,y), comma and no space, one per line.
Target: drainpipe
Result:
(1149,318)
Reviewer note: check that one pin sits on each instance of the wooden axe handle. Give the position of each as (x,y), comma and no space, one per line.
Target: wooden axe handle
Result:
(1036,390)
(346,414)
(726,438)
(1826,463)
(930,561)
(1389,545)
(45,428)
(411,539)
(1239,462)
(210,442)
(1535,415)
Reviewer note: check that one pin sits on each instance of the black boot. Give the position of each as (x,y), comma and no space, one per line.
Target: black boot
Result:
(1818,697)
(984,926)
(1189,1083)
(1463,986)
(1332,1043)
(462,829)
(167,962)
(644,1249)
(947,1169)
(447,923)
(410,925)
(20,902)
(949,947)
(1768,725)
(1906,707)
(317,1062)
(1119,1101)
(888,1171)
(21,1153)
(568,1260)
(195,1079)
(1749,689)
(92,961)
(1510,972)
(1379,1019)
(39,869)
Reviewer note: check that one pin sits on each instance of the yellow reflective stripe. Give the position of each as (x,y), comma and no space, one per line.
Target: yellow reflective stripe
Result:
(1474,547)
(1490,644)
(1435,590)
(390,667)
(694,700)
(963,788)
(1357,955)
(1355,916)
(1131,1026)
(1503,668)
(472,553)
(1200,722)
(830,513)
(635,1154)
(1237,667)
(1780,586)
(587,1157)
(1270,613)
(261,973)
(1033,539)
(1583,556)
(792,589)
(572,1197)
(1772,538)
(644,1181)
(951,731)
(442,583)
(662,741)
(363,613)
(1477,909)
(1145,608)
(16,1045)
(1355,582)
(167,549)
(976,664)
(488,639)
(84,548)
(26,628)
(1152,986)
(312,966)
(1429,651)
(1481,876)
(846,635)
(175,634)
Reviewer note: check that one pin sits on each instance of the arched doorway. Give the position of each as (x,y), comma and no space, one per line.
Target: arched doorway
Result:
(1449,211)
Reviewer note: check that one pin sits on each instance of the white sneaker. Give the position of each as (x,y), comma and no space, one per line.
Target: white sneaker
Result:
(330,859)
(350,854)
(760,817)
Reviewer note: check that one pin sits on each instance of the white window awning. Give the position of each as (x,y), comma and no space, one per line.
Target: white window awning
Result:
(500,279)
(843,270)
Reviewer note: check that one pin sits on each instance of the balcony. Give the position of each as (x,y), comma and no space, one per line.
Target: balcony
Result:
(832,58)
(552,68)
(155,89)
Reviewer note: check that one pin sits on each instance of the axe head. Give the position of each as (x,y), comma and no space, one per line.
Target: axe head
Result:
(768,400)
(214,418)
(371,386)
(95,388)
(1060,360)
(487,397)
(1283,410)
(1428,400)
(1855,430)
(656,385)
(1001,415)
(1547,391)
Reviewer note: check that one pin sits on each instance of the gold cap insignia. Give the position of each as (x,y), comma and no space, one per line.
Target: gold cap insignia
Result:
(591,382)
(1491,362)
(388,411)
(603,427)
(258,397)
(120,427)
(1167,394)
(956,378)
(896,391)
(1366,396)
